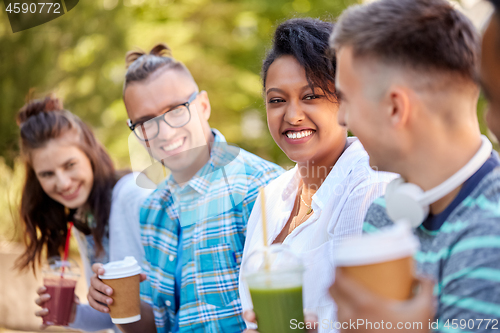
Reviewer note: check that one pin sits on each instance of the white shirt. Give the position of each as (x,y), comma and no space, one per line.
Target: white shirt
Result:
(339,205)
(124,240)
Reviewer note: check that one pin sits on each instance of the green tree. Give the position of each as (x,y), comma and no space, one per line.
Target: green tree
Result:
(80,57)
(72,55)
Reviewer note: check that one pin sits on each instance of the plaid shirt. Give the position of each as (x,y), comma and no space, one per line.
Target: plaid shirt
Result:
(213,209)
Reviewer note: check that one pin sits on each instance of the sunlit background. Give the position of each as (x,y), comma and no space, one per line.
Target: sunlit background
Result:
(80,57)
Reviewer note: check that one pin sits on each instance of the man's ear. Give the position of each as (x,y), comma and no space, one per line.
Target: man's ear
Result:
(398,106)
(204,104)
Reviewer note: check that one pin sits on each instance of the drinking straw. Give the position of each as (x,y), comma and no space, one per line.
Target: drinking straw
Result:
(68,237)
(264,221)
(264,225)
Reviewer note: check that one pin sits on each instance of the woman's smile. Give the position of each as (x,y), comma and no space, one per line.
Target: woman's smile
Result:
(298,136)
(301,118)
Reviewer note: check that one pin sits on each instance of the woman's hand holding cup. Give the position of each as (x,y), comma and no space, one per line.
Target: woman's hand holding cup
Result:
(43,298)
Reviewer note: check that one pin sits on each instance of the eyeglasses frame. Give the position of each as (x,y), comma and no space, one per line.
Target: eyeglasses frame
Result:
(186,104)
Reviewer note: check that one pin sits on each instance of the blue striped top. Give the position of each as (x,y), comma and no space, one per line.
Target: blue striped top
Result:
(460,250)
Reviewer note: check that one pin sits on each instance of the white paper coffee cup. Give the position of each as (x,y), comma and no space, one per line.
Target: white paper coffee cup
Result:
(382,262)
(123,276)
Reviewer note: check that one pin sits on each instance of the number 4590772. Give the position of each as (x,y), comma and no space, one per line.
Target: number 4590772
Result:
(472,324)
(34,8)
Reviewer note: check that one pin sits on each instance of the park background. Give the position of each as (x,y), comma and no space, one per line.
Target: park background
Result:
(80,57)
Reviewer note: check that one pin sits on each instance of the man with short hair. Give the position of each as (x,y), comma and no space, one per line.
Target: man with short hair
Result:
(193,226)
(408,86)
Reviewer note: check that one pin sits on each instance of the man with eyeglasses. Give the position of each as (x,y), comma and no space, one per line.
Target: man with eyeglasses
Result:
(193,226)
(183,154)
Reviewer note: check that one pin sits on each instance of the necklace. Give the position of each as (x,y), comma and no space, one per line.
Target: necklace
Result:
(294,224)
(310,208)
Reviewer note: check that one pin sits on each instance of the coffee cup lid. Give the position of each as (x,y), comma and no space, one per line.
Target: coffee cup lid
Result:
(391,243)
(121,268)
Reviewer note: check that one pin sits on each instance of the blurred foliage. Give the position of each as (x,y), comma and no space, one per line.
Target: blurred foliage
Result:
(80,57)
(11,182)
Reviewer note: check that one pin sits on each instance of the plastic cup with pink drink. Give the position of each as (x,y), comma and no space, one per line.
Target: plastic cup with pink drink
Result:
(59,278)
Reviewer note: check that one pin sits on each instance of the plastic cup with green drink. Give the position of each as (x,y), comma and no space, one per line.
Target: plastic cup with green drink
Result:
(273,276)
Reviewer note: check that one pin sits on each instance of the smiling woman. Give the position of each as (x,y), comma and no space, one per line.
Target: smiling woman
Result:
(67,169)
(325,197)
(64,162)
(302,118)
(64,171)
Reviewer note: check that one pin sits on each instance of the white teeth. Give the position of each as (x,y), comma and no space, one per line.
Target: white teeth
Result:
(174,145)
(298,135)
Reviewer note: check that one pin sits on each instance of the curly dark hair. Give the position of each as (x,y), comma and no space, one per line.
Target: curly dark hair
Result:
(306,39)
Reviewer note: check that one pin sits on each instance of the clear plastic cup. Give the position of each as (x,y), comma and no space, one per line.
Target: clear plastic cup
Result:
(59,277)
(273,276)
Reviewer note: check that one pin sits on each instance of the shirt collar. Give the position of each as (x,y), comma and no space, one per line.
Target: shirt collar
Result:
(291,188)
(435,222)
(342,168)
(199,182)
(349,160)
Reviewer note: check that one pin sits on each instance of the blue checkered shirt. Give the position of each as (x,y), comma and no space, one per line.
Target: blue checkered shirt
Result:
(213,209)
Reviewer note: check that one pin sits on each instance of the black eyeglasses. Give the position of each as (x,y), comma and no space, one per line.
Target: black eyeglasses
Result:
(176,117)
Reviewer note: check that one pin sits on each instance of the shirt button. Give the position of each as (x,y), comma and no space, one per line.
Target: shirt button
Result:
(171,257)
(168,303)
